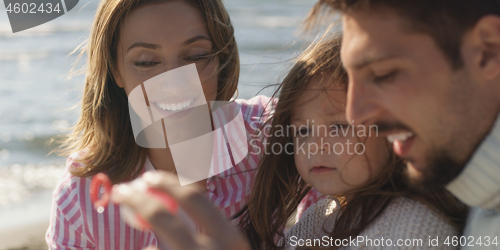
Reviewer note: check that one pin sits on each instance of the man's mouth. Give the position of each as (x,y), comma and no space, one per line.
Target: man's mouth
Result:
(174,107)
(401,142)
(399,137)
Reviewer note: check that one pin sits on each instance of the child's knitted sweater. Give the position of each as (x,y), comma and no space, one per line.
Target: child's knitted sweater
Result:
(404,224)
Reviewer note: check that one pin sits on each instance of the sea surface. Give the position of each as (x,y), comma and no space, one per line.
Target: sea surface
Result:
(38,95)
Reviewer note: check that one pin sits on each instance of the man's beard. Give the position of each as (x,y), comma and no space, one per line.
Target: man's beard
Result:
(441,169)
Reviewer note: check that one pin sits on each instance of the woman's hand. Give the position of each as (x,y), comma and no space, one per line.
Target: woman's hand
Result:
(217,233)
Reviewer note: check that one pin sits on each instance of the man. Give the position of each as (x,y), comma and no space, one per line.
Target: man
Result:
(427,72)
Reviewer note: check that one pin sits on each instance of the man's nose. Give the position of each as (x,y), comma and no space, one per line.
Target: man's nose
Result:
(362,107)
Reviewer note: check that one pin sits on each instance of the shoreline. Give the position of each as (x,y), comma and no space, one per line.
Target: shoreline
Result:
(23,225)
(28,237)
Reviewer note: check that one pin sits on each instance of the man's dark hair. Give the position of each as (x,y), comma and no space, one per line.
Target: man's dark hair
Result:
(446,21)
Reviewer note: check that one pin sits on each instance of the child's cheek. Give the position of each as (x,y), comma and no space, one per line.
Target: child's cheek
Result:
(300,162)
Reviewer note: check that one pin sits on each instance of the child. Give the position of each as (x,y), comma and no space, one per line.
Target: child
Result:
(130,42)
(362,179)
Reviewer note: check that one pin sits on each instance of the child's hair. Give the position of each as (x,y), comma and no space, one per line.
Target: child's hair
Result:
(104,130)
(278,188)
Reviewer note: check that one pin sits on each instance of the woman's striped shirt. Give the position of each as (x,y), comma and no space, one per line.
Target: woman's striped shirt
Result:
(75,224)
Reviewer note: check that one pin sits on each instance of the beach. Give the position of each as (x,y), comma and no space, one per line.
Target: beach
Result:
(23,224)
(29,237)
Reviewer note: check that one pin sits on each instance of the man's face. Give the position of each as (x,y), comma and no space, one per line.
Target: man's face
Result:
(400,80)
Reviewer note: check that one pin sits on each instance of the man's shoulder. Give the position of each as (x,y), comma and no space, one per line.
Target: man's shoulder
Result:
(484,225)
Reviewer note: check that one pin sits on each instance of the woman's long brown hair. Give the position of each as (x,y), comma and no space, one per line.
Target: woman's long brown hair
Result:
(278,188)
(104,130)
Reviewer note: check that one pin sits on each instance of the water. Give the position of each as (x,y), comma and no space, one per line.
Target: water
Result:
(36,92)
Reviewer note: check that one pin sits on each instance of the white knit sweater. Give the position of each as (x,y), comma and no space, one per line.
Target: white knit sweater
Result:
(404,221)
(479,187)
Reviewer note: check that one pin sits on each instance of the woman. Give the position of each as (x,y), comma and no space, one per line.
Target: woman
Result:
(130,42)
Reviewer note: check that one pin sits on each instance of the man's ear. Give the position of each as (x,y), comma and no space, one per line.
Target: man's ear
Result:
(481,46)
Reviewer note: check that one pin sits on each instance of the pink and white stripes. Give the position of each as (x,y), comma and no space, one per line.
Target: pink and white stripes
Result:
(75,224)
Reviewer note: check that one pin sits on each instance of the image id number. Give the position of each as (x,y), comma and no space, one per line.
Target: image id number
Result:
(32,8)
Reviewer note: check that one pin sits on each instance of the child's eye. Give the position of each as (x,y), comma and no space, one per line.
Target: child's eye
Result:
(196,58)
(339,125)
(385,78)
(145,64)
(302,132)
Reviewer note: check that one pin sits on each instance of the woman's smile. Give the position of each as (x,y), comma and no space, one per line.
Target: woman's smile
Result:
(174,106)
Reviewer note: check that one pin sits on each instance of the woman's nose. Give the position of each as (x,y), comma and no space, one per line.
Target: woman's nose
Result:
(177,80)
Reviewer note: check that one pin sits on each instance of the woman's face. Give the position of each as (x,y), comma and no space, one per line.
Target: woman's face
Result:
(328,155)
(156,38)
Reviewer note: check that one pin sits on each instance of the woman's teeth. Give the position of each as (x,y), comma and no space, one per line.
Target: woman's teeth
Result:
(174,106)
(402,137)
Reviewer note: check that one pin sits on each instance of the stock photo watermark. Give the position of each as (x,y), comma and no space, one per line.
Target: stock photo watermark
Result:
(312,139)
(26,14)
(186,123)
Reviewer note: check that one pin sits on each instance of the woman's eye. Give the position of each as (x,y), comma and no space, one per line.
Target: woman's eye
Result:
(196,58)
(385,78)
(145,64)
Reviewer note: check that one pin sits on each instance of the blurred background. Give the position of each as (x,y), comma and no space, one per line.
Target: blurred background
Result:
(37,94)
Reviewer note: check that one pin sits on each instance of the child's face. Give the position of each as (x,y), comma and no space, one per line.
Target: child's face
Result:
(157,38)
(327,155)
